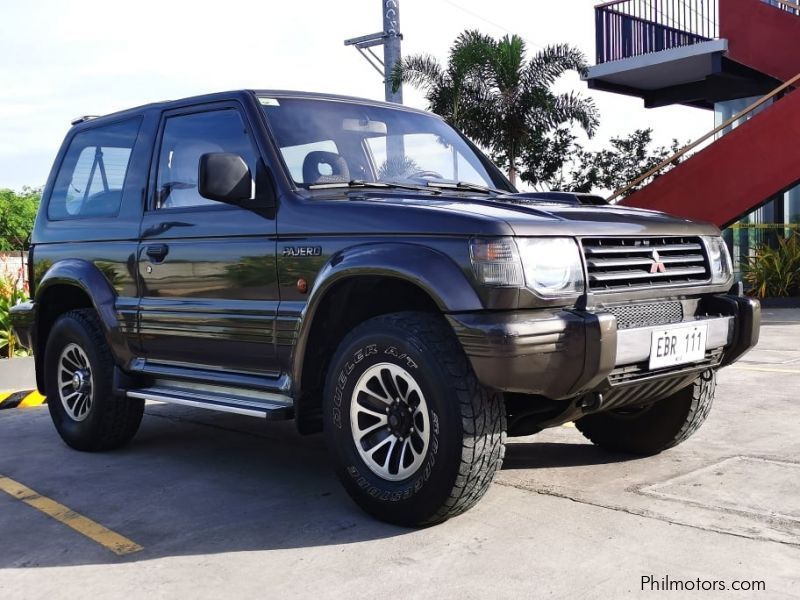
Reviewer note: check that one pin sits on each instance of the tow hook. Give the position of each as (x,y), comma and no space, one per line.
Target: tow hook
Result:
(591,402)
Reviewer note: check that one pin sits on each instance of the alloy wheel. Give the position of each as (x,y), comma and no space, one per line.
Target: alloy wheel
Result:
(75,382)
(389,421)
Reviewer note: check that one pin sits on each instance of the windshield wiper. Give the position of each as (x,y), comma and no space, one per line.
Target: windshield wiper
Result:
(464,185)
(360,183)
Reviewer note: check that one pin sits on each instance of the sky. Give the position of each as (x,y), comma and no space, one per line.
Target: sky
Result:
(65,59)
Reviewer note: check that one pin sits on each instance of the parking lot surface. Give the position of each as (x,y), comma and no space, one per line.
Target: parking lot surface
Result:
(220,506)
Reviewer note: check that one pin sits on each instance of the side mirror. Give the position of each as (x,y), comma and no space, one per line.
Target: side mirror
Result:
(224,177)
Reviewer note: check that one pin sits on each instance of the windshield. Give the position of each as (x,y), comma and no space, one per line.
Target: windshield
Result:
(330,142)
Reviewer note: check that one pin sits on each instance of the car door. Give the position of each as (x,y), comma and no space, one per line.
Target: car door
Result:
(209,283)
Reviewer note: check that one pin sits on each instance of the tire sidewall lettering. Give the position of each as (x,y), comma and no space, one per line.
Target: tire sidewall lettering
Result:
(343,377)
(349,372)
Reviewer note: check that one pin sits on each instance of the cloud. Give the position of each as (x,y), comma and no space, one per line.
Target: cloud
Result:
(64,59)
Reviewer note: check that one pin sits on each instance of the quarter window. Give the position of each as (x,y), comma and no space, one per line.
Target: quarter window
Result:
(92,176)
(185,139)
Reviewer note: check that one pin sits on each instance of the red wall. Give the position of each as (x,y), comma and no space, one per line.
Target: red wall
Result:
(761,36)
(734,174)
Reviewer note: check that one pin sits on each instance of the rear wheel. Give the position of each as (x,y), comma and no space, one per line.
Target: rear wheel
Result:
(78,380)
(655,427)
(416,439)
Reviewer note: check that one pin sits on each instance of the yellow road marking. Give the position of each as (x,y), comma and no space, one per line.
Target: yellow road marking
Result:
(110,540)
(32,399)
(766,369)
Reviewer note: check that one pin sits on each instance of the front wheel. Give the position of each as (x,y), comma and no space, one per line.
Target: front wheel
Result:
(416,439)
(655,427)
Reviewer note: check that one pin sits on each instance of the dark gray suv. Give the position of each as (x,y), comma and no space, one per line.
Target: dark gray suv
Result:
(363,269)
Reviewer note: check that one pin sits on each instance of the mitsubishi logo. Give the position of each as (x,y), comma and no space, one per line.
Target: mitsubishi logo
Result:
(657,266)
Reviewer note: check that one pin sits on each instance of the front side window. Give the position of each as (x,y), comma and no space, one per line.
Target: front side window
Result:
(330,141)
(185,139)
(91,178)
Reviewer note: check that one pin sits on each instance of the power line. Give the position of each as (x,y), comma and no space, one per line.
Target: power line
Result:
(671,15)
(696,12)
(492,23)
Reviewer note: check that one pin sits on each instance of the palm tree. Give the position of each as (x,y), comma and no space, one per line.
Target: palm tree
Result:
(451,91)
(498,98)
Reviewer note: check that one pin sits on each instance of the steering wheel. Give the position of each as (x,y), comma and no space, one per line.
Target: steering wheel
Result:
(425,175)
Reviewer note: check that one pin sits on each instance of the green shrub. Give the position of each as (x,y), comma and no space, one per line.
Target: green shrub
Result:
(10,295)
(775,272)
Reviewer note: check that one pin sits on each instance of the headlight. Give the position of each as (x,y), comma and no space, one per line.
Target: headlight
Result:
(551,267)
(719,259)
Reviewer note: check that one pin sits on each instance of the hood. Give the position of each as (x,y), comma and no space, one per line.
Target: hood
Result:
(547,218)
(610,220)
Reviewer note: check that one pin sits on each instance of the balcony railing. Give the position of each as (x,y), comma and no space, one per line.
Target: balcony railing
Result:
(627,28)
(790,6)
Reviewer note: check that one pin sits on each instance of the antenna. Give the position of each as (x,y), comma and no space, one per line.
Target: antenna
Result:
(82,119)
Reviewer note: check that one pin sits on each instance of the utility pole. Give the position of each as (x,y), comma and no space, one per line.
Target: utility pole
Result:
(390,39)
(392,53)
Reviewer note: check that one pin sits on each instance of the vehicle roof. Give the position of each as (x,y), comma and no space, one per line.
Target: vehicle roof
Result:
(219,96)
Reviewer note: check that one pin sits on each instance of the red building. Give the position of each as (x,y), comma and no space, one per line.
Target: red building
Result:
(722,56)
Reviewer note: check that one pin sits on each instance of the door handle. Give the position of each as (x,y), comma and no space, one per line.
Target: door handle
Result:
(157,252)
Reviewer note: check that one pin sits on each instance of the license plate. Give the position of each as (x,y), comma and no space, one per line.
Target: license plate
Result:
(677,345)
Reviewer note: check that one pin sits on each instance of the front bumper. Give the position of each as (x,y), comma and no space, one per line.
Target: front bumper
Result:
(563,354)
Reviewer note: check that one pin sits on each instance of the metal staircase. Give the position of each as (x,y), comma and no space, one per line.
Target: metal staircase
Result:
(746,167)
(702,53)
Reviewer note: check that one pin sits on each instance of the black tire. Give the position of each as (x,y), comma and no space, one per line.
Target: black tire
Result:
(467,422)
(112,420)
(657,427)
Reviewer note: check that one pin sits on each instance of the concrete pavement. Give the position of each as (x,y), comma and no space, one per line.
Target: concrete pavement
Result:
(17,374)
(225,506)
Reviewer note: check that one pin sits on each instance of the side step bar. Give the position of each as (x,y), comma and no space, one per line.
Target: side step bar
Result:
(276,408)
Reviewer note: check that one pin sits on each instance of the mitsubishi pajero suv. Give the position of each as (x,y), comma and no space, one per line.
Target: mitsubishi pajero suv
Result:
(363,269)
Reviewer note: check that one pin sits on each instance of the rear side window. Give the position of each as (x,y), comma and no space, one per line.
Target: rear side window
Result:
(92,174)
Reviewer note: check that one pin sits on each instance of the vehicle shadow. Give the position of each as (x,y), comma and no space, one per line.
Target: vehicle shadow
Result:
(192,482)
(550,455)
(196,482)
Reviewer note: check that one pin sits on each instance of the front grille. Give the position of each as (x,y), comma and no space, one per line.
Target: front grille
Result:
(615,264)
(647,315)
